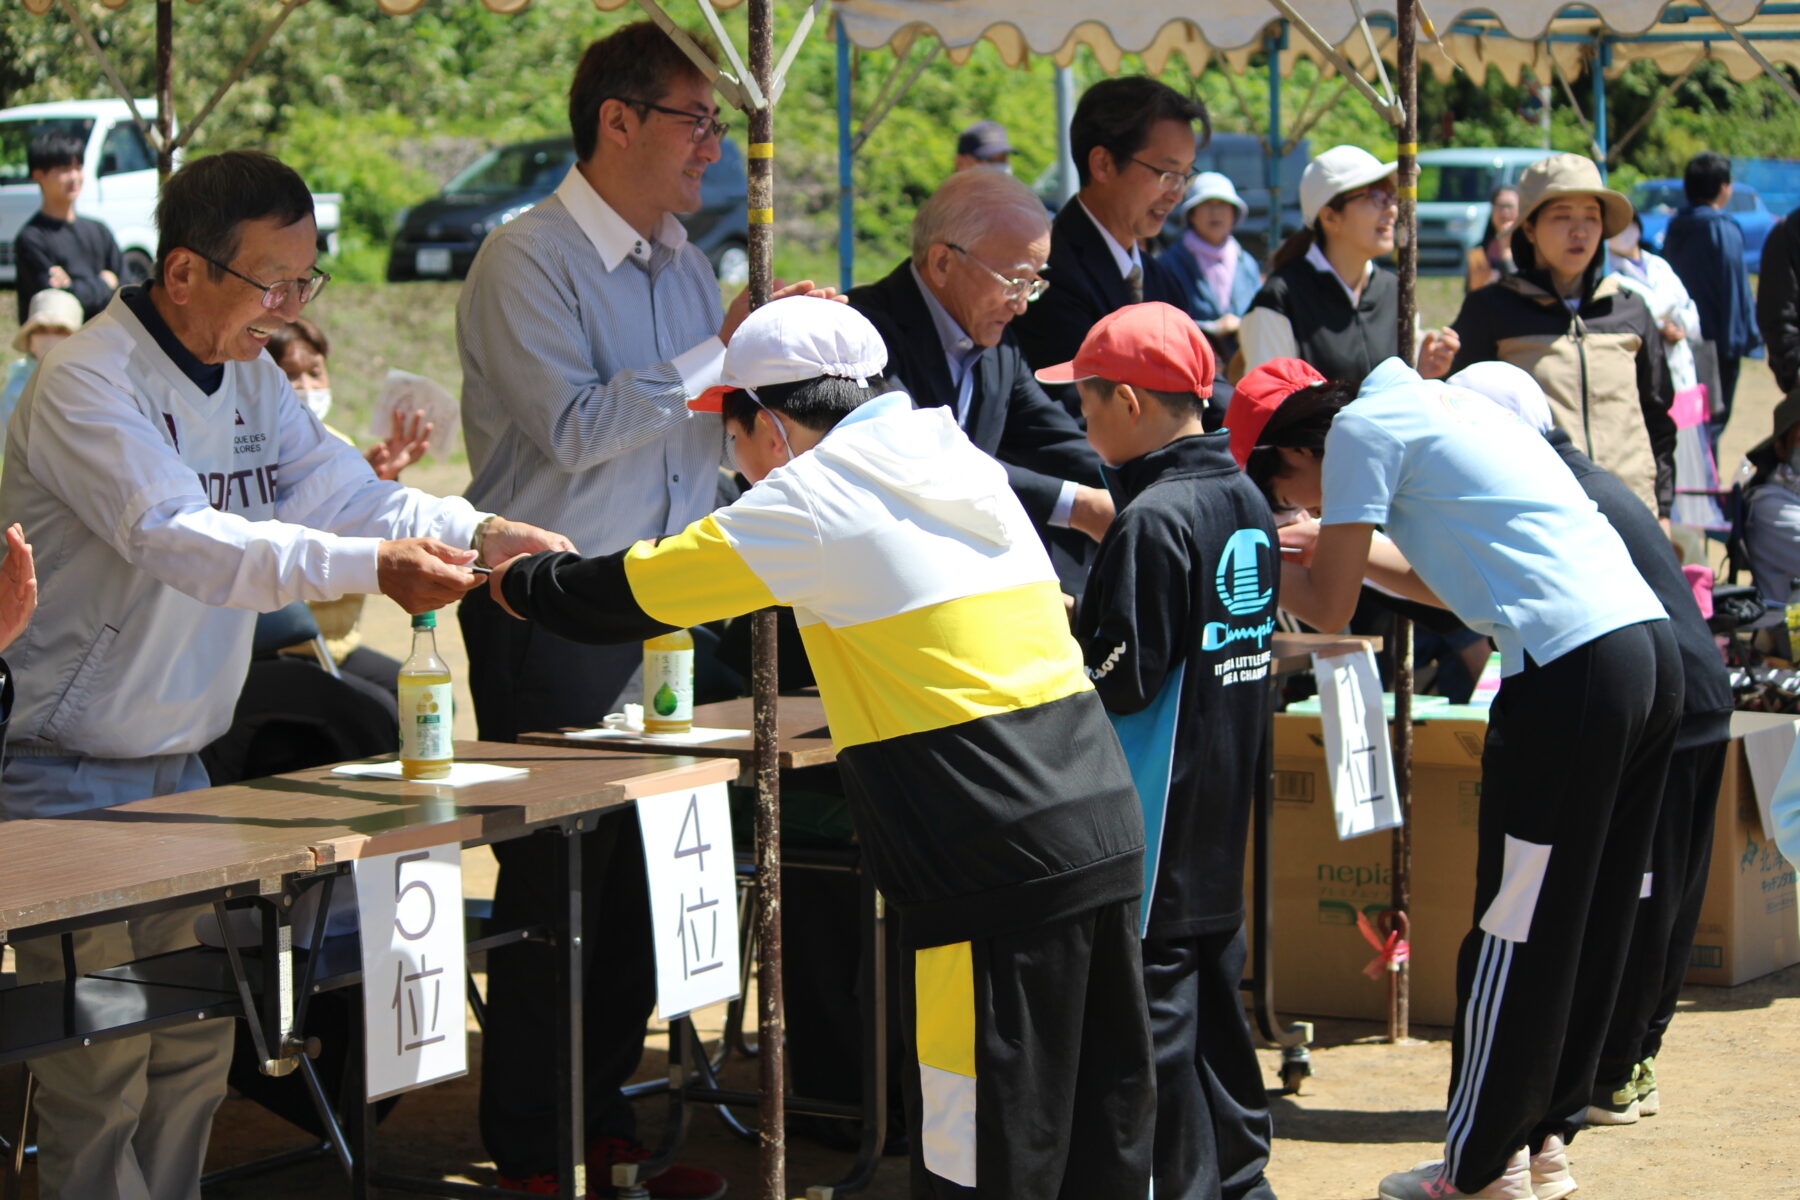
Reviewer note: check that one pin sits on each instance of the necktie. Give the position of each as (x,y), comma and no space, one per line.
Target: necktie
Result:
(1135,281)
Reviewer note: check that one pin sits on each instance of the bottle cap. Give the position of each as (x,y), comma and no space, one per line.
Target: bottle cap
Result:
(425,620)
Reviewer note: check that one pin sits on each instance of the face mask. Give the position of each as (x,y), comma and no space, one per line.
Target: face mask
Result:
(1005,168)
(1624,241)
(318,400)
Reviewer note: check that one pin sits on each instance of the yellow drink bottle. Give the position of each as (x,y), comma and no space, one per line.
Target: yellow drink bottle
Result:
(669,683)
(426,749)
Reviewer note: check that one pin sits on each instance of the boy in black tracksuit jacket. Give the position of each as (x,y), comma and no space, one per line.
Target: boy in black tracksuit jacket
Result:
(1175,625)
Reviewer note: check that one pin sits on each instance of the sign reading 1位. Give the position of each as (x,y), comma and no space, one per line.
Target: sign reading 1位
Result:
(1358,759)
(692,871)
(414,988)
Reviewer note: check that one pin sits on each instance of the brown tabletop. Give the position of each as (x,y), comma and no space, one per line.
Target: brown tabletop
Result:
(1293,651)
(804,739)
(192,843)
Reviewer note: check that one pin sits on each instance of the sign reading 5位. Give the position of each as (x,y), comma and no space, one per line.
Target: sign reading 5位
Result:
(410,908)
(692,873)
(1358,759)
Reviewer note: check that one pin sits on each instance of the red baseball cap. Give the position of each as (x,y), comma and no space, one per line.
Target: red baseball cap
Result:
(1258,395)
(1154,346)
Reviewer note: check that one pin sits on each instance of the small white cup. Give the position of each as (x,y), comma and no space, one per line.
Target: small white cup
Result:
(629,721)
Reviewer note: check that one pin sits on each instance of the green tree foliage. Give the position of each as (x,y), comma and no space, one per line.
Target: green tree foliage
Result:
(384,109)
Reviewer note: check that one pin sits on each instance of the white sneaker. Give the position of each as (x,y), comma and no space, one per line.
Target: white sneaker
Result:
(1649,1101)
(1431,1181)
(1550,1178)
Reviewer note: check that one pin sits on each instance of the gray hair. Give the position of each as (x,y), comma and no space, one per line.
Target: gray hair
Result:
(972,204)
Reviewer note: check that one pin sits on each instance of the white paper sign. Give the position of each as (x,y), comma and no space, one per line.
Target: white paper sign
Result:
(1358,759)
(1767,750)
(414,990)
(693,897)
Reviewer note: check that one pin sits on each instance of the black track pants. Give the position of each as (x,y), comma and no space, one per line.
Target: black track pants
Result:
(1667,916)
(1212,1105)
(1030,1068)
(1572,777)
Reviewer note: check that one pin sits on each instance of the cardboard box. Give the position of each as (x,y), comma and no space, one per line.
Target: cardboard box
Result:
(1750,924)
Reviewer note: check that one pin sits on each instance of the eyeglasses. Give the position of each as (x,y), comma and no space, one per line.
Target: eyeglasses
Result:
(704,126)
(282,290)
(1014,290)
(1379,197)
(1172,181)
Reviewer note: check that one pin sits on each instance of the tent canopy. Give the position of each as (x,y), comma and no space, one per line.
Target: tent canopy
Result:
(1525,35)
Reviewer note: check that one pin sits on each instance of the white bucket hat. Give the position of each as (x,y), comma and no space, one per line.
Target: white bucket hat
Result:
(51,308)
(1335,172)
(1210,185)
(801,337)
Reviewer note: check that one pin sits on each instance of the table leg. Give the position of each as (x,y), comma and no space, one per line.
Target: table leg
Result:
(1292,1039)
(570,1074)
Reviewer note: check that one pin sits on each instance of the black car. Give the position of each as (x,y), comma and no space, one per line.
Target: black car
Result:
(439,238)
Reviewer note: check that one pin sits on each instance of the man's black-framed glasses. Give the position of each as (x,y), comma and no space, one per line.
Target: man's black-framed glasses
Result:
(1015,290)
(282,290)
(1171,180)
(703,124)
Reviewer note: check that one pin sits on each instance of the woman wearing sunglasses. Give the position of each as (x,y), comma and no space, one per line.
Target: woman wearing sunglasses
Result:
(1326,302)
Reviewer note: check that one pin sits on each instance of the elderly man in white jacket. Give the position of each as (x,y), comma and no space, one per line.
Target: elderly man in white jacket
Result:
(174,487)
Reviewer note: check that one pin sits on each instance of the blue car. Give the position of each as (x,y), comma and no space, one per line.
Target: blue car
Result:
(1656,200)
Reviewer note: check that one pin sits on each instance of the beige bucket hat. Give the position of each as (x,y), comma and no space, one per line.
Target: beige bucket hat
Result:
(1563,175)
(51,308)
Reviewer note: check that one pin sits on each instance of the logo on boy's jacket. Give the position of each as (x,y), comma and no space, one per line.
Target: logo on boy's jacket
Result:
(1245,581)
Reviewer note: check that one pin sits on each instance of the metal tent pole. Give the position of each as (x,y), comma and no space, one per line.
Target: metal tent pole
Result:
(846,166)
(1276,39)
(1067,183)
(772,1132)
(1407,245)
(165,89)
(1602,60)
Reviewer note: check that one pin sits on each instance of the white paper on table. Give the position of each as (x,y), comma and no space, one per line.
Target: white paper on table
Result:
(692,873)
(462,774)
(1767,751)
(693,737)
(405,392)
(414,988)
(1359,762)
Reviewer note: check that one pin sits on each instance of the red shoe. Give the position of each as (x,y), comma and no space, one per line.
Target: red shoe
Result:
(544,1184)
(675,1182)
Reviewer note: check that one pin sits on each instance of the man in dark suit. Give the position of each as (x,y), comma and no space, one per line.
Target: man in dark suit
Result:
(979,245)
(1134,148)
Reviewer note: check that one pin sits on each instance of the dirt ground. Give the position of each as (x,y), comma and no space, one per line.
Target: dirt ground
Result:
(1726,1130)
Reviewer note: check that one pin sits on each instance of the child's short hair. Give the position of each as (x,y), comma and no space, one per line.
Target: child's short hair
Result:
(55,148)
(818,403)
(1301,423)
(1182,404)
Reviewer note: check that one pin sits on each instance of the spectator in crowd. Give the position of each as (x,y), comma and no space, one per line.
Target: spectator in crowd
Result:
(1772,505)
(1326,302)
(1668,909)
(56,248)
(1133,140)
(1219,278)
(979,245)
(300,348)
(994,808)
(144,455)
(1589,341)
(1651,276)
(1482,512)
(984,144)
(1492,259)
(585,326)
(1706,248)
(1180,659)
(54,315)
(1778,301)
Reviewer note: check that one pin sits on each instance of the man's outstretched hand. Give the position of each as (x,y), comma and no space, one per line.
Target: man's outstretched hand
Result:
(18,586)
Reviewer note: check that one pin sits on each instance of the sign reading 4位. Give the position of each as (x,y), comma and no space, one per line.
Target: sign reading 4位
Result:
(410,909)
(1358,759)
(692,871)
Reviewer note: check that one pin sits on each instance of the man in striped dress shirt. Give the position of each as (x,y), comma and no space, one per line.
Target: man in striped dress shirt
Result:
(585,326)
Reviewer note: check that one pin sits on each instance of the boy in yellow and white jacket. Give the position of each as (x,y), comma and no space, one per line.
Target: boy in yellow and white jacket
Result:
(987,787)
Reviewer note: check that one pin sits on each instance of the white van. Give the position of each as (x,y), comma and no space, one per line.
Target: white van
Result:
(120,186)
